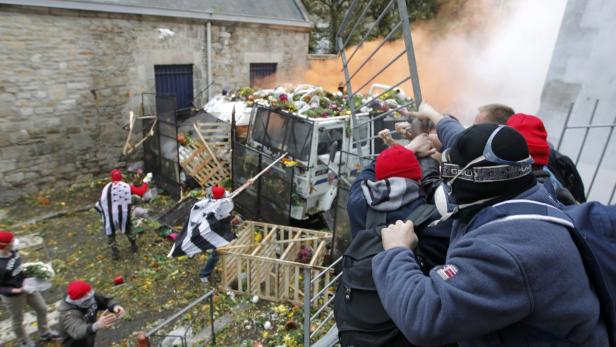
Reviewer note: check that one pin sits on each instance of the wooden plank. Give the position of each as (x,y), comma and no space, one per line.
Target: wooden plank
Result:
(207,147)
(317,253)
(264,240)
(239,274)
(286,281)
(296,284)
(286,252)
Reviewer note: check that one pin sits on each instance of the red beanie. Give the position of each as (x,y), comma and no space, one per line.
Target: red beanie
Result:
(218,192)
(397,161)
(116,175)
(5,238)
(77,289)
(534,133)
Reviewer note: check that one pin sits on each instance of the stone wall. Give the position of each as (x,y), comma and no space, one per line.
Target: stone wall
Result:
(69,78)
(235,47)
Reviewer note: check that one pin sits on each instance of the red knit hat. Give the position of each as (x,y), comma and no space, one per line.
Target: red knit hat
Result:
(533,130)
(77,289)
(116,175)
(218,192)
(5,238)
(397,161)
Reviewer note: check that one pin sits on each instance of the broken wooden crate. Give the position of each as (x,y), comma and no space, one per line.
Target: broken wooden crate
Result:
(269,268)
(203,159)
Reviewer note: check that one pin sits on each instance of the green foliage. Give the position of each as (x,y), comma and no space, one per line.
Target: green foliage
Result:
(329,14)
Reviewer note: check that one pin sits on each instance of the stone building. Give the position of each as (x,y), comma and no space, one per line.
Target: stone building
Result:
(70,72)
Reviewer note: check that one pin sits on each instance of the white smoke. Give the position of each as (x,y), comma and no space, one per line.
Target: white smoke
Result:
(509,63)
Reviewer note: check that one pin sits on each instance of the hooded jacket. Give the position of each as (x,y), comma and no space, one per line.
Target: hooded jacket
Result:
(514,283)
(77,324)
(397,199)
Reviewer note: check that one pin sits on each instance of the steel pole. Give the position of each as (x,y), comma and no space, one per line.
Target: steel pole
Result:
(306,307)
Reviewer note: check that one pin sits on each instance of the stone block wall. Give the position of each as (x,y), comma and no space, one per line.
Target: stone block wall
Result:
(234,47)
(69,78)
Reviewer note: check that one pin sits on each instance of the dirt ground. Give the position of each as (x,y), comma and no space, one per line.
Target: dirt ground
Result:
(155,287)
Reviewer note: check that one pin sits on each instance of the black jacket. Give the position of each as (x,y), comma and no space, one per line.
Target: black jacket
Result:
(11,274)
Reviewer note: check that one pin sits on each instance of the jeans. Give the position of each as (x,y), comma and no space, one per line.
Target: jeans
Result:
(212,260)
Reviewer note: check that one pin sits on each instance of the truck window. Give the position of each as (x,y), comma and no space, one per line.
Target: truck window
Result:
(259,125)
(326,136)
(299,139)
(276,127)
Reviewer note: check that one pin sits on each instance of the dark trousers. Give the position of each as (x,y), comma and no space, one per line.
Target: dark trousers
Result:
(210,264)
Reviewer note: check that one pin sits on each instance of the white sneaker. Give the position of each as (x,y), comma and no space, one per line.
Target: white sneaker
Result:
(204,280)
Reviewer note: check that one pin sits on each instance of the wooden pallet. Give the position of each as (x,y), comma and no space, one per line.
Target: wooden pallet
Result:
(269,268)
(200,161)
(203,166)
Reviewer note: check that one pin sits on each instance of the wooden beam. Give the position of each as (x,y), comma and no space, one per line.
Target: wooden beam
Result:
(317,253)
(265,239)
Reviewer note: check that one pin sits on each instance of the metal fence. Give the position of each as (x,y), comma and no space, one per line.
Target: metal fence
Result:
(180,328)
(318,306)
(352,26)
(598,133)
(270,197)
(161,152)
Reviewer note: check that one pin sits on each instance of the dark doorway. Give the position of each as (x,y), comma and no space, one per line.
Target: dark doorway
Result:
(263,75)
(175,80)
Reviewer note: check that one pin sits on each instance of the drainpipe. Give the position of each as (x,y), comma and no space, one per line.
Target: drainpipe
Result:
(209,60)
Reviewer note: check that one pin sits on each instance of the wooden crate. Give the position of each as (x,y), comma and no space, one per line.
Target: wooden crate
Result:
(200,163)
(268,268)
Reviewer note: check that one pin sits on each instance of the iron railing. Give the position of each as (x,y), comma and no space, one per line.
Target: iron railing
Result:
(348,28)
(587,128)
(161,335)
(316,309)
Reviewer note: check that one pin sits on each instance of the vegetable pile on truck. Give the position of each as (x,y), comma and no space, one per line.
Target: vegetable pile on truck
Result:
(314,127)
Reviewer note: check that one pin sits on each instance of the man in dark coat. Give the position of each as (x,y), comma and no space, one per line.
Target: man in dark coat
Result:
(78,311)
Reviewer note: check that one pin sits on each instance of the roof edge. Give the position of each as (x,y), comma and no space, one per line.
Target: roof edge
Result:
(126,9)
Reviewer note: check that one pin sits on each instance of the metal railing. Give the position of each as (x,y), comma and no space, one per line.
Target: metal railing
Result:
(312,304)
(583,146)
(395,10)
(156,337)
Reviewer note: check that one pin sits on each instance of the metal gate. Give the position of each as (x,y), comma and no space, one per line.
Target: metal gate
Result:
(177,81)
(161,155)
(260,72)
(353,26)
(350,27)
(601,136)
(269,199)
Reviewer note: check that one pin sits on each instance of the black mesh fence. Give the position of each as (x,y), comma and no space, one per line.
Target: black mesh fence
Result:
(161,155)
(268,199)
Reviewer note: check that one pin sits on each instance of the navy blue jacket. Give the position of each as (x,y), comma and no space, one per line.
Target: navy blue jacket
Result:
(514,283)
(357,206)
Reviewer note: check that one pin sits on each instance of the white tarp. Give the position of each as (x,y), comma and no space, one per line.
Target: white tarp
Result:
(223,109)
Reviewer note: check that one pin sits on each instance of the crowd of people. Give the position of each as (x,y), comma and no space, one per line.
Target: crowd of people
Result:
(457,240)
(497,264)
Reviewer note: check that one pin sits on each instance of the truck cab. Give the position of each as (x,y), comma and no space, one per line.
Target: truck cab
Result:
(321,151)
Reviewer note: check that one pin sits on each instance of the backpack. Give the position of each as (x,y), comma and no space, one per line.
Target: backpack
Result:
(592,227)
(359,313)
(565,171)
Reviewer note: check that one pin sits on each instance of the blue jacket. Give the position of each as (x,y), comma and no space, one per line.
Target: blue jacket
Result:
(448,130)
(515,283)
(357,204)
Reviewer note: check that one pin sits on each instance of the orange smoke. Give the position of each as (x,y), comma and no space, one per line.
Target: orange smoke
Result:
(474,53)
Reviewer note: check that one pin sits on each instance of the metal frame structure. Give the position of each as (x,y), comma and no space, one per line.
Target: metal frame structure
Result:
(587,128)
(154,336)
(343,38)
